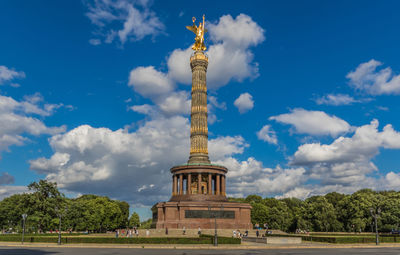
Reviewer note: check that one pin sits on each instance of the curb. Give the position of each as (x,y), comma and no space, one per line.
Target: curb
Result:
(180,247)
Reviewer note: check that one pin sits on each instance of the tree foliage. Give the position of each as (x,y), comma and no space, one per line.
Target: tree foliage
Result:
(45,204)
(331,212)
(134,220)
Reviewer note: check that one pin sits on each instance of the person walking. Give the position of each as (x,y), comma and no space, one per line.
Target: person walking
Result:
(199,231)
(166,231)
(184,230)
(257,233)
(116,233)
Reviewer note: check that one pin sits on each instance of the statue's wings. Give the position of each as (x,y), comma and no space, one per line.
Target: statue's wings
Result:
(192,28)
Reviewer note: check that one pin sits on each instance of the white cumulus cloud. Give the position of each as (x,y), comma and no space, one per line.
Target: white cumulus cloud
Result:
(313,122)
(134,20)
(347,160)
(17,121)
(251,177)
(9,190)
(149,82)
(336,99)
(118,163)
(244,102)
(367,79)
(133,166)
(7,74)
(267,134)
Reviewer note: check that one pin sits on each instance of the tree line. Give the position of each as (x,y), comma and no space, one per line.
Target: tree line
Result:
(44,205)
(333,212)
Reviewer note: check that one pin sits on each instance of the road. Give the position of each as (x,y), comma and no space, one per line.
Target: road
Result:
(125,251)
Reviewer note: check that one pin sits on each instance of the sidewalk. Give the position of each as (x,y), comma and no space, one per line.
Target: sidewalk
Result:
(243,246)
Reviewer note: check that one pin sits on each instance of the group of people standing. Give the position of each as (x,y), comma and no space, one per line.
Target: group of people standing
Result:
(129,232)
(238,234)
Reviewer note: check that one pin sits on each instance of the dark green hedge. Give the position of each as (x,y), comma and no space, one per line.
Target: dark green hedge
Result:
(351,239)
(224,240)
(45,234)
(138,240)
(40,239)
(122,240)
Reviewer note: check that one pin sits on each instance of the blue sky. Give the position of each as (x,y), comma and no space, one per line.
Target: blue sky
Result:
(303,96)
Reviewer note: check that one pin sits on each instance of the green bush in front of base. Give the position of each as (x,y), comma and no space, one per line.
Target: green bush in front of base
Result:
(204,239)
(351,239)
(44,234)
(37,239)
(224,239)
(139,240)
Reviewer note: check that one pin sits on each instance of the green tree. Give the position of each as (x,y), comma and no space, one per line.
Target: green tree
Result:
(354,211)
(319,215)
(279,215)
(134,220)
(259,213)
(253,198)
(43,203)
(146,224)
(11,209)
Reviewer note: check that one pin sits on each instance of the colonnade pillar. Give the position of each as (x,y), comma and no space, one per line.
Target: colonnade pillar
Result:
(199,184)
(217,186)
(181,184)
(223,185)
(209,188)
(189,184)
(175,189)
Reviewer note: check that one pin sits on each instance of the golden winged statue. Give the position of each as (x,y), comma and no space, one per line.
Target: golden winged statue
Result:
(199,32)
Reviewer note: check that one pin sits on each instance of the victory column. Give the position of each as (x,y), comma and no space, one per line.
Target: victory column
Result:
(199,187)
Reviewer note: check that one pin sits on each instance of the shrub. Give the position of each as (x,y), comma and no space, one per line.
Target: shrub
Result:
(111,240)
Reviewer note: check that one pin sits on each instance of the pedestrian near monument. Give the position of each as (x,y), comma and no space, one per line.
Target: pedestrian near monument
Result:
(166,231)
(199,231)
(184,230)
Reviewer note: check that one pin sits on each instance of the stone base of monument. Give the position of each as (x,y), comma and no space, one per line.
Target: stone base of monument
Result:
(203,214)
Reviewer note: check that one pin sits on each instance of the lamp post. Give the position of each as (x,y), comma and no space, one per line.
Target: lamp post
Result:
(60,214)
(215,225)
(375,214)
(23,226)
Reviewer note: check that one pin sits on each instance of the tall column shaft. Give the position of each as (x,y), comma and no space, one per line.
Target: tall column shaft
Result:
(198,123)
